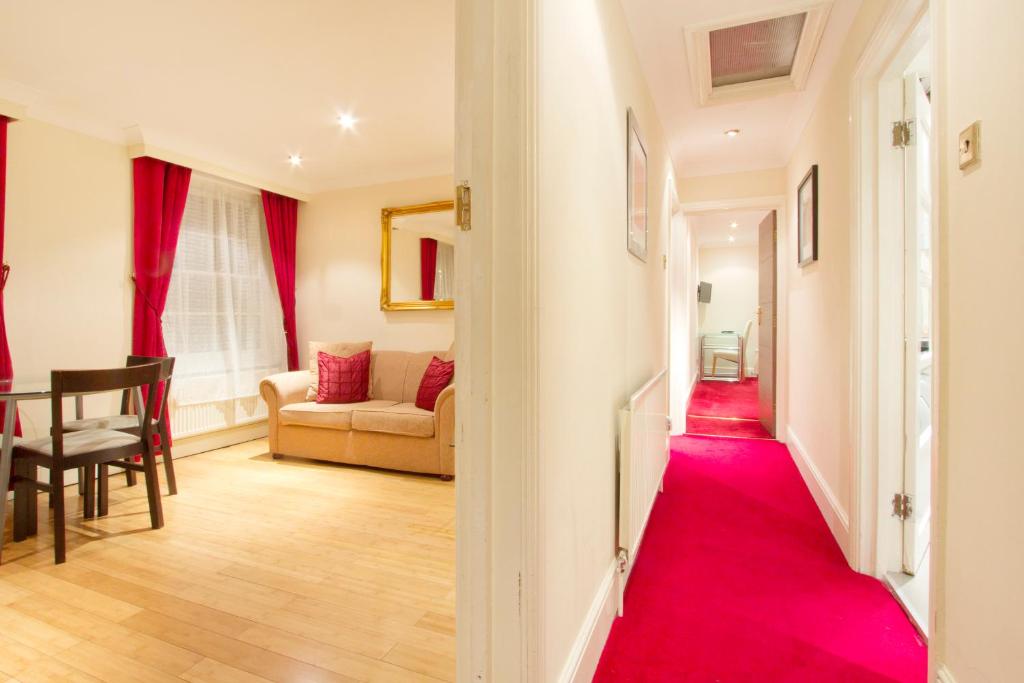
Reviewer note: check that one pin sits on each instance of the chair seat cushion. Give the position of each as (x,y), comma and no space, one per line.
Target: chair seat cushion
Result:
(326,415)
(727,355)
(404,418)
(108,422)
(88,441)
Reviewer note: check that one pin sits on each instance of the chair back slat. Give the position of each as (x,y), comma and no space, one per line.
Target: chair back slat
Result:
(112,379)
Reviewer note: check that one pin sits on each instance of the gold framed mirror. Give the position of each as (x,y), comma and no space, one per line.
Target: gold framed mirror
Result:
(417,259)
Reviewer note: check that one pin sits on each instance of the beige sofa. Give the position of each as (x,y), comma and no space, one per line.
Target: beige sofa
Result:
(387,431)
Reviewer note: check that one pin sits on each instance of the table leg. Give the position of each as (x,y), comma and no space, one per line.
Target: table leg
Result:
(6,457)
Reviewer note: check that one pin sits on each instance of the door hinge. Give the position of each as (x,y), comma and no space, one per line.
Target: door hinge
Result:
(622,559)
(902,133)
(464,206)
(901,506)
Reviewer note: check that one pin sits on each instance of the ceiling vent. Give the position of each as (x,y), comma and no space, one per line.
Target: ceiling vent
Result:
(755,55)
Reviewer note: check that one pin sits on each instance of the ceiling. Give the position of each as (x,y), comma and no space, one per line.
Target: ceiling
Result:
(714,229)
(244,83)
(769,126)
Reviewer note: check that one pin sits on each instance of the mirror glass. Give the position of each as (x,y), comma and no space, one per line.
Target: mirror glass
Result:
(419,258)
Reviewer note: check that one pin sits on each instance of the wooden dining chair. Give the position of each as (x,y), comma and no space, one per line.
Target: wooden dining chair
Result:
(127,422)
(86,448)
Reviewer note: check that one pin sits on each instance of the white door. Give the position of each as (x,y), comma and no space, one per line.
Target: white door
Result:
(918,321)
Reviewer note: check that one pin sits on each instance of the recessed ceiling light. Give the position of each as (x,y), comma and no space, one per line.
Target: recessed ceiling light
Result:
(734,224)
(732,132)
(295,160)
(732,238)
(347,121)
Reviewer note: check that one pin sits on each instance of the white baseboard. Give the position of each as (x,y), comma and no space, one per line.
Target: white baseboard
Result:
(581,665)
(200,443)
(836,517)
(943,675)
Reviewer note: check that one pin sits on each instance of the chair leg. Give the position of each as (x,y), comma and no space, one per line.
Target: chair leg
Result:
(129,475)
(89,473)
(156,511)
(81,481)
(714,364)
(24,495)
(57,488)
(103,494)
(165,452)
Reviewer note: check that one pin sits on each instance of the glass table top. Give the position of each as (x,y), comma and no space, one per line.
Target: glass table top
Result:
(24,388)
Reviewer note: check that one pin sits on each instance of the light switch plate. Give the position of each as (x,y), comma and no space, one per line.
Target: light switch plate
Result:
(970,145)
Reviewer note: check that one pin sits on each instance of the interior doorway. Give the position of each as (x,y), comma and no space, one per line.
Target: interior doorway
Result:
(911,138)
(735,283)
(896,379)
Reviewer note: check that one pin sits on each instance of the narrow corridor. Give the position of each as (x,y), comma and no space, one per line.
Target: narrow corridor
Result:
(739,580)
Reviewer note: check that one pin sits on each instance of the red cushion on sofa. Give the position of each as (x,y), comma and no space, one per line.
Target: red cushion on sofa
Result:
(437,376)
(343,380)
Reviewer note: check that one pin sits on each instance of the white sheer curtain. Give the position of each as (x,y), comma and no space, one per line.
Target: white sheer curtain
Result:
(444,280)
(222,321)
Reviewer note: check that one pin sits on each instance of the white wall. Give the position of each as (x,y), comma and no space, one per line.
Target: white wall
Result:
(682,320)
(603,317)
(733,274)
(68,241)
(817,297)
(979,593)
(337,279)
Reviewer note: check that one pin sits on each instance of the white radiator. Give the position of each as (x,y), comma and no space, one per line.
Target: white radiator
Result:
(643,457)
(201,418)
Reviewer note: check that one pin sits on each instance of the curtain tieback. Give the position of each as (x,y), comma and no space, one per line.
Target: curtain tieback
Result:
(145,297)
(4,274)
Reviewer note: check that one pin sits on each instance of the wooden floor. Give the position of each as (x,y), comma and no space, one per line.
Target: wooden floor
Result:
(280,570)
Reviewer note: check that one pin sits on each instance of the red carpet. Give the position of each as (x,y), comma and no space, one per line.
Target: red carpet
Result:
(740,581)
(723,426)
(725,399)
(713,401)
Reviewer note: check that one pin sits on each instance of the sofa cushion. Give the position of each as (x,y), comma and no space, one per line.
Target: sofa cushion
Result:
(404,418)
(326,415)
(387,374)
(335,349)
(437,376)
(418,363)
(344,380)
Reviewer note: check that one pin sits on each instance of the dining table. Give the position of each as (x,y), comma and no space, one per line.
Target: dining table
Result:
(12,392)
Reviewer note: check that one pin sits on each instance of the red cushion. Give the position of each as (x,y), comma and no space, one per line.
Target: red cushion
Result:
(437,376)
(343,380)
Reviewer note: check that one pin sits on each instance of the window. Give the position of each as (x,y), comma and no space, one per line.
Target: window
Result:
(222,321)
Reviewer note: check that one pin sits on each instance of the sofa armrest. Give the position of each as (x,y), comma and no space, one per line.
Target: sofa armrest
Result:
(444,427)
(284,388)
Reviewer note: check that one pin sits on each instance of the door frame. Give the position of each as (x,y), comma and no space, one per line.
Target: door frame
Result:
(498,637)
(877,324)
(778,204)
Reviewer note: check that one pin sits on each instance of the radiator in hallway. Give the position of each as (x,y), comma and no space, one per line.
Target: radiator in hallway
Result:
(739,581)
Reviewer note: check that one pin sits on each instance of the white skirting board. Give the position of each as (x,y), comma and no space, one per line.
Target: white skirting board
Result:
(586,650)
(222,438)
(836,517)
(943,675)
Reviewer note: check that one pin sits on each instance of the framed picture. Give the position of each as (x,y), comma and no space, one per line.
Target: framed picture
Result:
(636,189)
(807,218)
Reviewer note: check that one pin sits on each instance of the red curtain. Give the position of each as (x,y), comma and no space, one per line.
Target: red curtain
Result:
(282,214)
(6,368)
(160,192)
(428,267)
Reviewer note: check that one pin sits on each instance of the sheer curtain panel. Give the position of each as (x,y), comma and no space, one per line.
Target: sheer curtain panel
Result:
(223,317)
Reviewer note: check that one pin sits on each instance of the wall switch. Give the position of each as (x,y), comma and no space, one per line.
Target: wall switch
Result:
(970,149)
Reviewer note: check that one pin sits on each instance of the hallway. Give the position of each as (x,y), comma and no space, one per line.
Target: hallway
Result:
(739,580)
